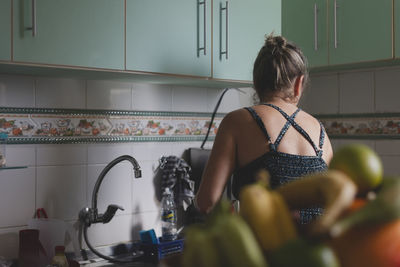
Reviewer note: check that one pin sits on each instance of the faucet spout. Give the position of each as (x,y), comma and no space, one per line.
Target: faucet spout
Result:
(136,167)
(90,215)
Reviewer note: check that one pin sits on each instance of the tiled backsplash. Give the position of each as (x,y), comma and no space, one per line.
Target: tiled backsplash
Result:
(60,177)
(360,93)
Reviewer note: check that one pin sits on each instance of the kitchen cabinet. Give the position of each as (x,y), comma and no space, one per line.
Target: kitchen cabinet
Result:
(171,41)
(5,30)
(239,30)
(360,31)
(356,31)
(397,28)
(169,36)
(86,33)
(305,23)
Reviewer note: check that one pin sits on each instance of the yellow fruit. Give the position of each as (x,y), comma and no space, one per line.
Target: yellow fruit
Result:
(267,215)
(361,164)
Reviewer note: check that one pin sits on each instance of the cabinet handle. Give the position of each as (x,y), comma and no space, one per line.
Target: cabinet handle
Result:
(204,27)
(335,22)
(33,28)
(315,27)
(221,9)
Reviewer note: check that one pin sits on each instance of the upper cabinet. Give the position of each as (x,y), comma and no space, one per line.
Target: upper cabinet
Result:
(216,41)
(339,32)
(86,33)
(397,28)
(5,30)
(172,37)
(239,30)
(360,31)
(305,23)
(178,40)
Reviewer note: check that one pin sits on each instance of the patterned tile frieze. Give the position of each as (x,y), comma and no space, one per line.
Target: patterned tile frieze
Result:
(75,126)
(362,126)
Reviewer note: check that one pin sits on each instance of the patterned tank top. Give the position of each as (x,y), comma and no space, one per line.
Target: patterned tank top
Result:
(282,167)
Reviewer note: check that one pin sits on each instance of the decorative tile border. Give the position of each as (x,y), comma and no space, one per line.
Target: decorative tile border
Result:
(32,125)
(362,126)
(59,126)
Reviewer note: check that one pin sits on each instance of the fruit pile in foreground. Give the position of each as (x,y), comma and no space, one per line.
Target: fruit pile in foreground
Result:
(355,229)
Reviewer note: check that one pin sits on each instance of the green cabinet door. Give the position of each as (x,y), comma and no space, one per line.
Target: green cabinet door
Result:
(305,23)
(166,36)
(397,28)
(239,30)
(360,31)
(87,33)
(5,29)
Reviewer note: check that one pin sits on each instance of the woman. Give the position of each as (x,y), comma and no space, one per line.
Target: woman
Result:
(274,135)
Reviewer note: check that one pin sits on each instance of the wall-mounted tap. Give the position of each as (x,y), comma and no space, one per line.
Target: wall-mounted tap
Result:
(90,215)
(87,215)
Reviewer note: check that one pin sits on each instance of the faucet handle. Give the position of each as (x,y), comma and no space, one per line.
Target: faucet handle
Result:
(110,212)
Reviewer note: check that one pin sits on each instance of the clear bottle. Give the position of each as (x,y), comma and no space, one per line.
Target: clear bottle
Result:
(168,216)
(59,258)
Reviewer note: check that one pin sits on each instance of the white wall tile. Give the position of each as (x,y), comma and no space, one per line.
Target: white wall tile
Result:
(9,242)
(147,221)
(144,190)
(391,165)
(61,190)
(322,96)
(344,142)
(17,91)
(247,97)
(151,97)
(335,143)
(20,155)
(189,99)
(118,230)
(151,151)
(105,153)
(60,93)
(356,92)
(387,90)
(109,95)
(116,187)
(231,100)
(66,154)
(388,147)
(178,149)
(17,193)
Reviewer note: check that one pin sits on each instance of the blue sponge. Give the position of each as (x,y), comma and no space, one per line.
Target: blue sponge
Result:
(148,236)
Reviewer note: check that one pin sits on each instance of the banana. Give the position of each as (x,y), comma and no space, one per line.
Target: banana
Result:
(224,240)
(268,216)
(332,189)
(383,209)
(286,227)
(199,249)
(236,243)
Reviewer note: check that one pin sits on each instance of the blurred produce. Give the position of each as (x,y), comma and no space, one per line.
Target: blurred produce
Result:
(267,214)
(224,240)
(302,253)
(361,164)
(333,190)
(369,245)
(384,208)
(354,230)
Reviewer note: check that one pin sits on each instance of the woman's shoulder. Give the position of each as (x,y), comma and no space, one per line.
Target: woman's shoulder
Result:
(309,118)
(237,114)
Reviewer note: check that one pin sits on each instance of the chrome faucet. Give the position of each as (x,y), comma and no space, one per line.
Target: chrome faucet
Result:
(90,215)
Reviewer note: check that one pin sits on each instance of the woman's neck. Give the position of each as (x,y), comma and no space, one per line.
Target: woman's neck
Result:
(278,100)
